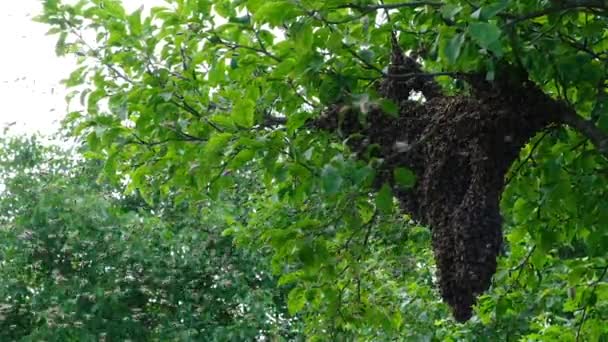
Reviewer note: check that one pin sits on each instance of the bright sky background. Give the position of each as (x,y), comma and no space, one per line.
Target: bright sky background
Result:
(30,91)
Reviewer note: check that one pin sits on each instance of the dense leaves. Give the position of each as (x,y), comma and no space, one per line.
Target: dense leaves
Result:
(204,100)
(81,262)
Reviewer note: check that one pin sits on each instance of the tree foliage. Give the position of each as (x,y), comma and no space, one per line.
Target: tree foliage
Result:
(81,262)
(257,100)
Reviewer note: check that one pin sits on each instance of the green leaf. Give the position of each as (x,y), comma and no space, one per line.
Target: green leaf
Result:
(296,299)
(243,113)
(384,199)
(453,47)
(242,158)
(217,143)
(77,77)
(217,73)
(166,95)
(487,35)
(489,11)
(404,177)
(289,278)
(449,11)
(275,12)
(329,90)
(331,179)
(135,22)
(389,107)
(335,40)
(306,254)
(60,46)
(304,38)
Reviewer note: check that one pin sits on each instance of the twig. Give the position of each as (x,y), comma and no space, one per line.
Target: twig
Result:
(594,287)
(565,6)
(185,106)
(576,45)
(588,129)
(520,267)
(528,157)
(235,46)
(580,326)
(524,261)
(426,74)
(140,141)
(367,64)
(367,9)
(96,54)
(382,6)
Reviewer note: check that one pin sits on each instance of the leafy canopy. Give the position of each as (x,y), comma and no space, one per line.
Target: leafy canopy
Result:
(81,262)
(190,97)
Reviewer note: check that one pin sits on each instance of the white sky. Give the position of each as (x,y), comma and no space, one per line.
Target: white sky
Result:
(30,91)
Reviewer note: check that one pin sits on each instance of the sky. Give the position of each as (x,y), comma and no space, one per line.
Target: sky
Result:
(31,95)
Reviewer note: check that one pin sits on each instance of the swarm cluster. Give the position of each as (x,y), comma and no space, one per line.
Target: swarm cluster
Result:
(460,148)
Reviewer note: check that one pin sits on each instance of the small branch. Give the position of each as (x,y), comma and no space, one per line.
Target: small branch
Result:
(581,47)
(388,16)
(601,277)
(367,9)
(409,4)
(99,58)
(295,90)
(262,45)
(367,64)
(524,261)
(186,136)
(565,6)
(520,267)
(235,46)
(117,72)
(426,74)
(580,326)
(223,170)
(140,141)
(594,288)
(588,129)
(301,96)
(274,121)
(185,106)
(528,157)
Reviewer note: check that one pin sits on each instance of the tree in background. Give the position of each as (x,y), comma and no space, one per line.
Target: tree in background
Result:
(81,262)
(485,121)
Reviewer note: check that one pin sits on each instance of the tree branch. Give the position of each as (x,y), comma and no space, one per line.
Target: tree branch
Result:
(366,9)
(584,316)
(598,137)
(564,6)
(233,46)
(602,56)
(409,4)
(426,74)
(185,106)
(528,157)
(367,64)
(274,121)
